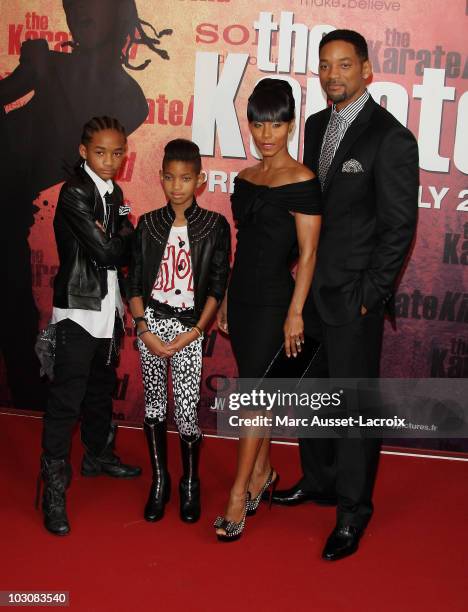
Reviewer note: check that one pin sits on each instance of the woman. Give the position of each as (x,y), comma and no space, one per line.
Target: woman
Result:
(276,205)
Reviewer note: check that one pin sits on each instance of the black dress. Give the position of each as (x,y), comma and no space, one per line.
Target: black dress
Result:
(261,284)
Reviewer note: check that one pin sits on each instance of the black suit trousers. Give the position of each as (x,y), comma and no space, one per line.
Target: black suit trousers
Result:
(82,387)
(345,467)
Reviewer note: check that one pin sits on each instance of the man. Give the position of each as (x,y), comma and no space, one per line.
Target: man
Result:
(367,164)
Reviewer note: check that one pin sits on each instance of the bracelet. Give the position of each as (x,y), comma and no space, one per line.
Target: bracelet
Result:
(140,333)
(198,330)
(137,320)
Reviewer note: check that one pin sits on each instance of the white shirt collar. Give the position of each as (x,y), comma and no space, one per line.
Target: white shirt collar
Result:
(351,111)
(103,186)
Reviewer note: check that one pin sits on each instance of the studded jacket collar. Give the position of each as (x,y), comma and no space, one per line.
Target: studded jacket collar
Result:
(200,222)
(209,239)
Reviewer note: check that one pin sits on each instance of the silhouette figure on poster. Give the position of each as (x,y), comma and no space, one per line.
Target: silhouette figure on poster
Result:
(39,147)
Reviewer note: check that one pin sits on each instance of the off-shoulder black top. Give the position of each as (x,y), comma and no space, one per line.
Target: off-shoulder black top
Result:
(267,240)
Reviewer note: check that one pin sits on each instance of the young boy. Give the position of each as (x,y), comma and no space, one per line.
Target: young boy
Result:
(178,276)
(93,239)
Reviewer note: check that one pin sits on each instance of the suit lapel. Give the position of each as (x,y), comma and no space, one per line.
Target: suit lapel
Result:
(317,147)
(352,134)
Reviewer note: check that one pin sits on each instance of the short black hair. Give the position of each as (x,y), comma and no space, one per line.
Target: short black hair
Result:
(271,100)
(182,150)
(357,40)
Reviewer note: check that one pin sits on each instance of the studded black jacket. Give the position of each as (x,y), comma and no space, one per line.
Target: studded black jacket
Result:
(209,236)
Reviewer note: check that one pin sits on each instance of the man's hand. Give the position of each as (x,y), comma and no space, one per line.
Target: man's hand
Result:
(155,345)
(99,226)
(221,317)
(182,340)
(293,334)
(363,310)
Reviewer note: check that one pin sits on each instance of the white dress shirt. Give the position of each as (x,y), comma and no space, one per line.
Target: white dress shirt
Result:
(98,323)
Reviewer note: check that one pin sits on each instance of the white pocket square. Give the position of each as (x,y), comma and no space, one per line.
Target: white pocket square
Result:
(352,165)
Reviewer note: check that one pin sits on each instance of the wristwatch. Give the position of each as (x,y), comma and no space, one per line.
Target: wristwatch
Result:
(137,320)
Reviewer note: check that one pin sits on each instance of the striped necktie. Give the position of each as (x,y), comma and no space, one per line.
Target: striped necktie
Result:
(329,147)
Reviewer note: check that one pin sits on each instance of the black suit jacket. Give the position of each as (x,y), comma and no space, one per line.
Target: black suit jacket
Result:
(369,217)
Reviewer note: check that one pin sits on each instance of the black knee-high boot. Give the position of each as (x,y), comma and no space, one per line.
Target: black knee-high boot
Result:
(161,484)
(189,486)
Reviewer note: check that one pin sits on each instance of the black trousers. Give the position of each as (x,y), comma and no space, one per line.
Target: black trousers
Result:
(83,385)
(345,467)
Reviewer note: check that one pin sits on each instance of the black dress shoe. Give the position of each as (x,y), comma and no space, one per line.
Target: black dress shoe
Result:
(297,495)
(343,541)
(109,464)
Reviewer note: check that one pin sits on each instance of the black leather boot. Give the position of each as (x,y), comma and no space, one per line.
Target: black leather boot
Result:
(56,476)
(107,462)
(161,484)
(189,486)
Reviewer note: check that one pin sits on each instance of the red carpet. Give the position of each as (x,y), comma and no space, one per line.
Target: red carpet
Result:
(412,558)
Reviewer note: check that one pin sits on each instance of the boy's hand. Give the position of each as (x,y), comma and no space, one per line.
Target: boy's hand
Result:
(155,345)
(221,317)
(182,340)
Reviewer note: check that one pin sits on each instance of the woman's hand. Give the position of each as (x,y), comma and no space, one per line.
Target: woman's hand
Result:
(293,334)
(181,341)
(155,345)
(221,317)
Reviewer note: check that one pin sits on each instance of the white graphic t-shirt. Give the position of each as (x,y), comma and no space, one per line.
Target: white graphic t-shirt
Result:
(174,283)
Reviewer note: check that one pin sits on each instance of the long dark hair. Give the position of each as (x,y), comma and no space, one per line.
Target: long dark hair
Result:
(271,100)
(135,31)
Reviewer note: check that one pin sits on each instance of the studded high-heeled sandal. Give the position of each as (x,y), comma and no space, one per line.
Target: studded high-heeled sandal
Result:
(233,530)
(264,493)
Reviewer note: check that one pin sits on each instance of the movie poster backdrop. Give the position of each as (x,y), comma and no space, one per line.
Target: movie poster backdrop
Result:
(185,68)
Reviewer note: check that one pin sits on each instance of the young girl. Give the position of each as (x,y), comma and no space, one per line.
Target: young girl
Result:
(178,276)
(93,238)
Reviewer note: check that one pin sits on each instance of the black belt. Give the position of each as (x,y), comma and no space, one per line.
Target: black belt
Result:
(164,311)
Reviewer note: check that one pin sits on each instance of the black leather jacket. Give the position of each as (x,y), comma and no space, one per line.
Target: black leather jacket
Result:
(82,247)
(209,236)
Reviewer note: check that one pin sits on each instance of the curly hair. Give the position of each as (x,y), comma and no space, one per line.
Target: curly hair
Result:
(139,32)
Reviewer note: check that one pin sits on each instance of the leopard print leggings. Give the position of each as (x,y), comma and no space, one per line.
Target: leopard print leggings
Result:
(186,376)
